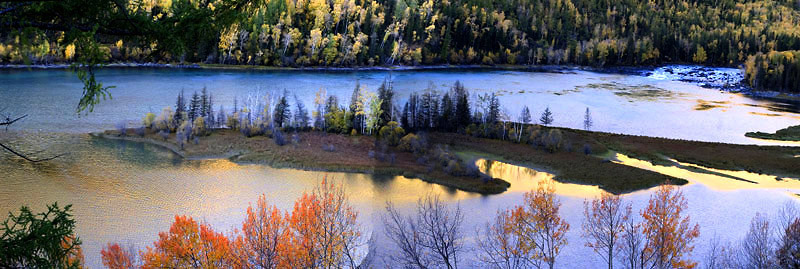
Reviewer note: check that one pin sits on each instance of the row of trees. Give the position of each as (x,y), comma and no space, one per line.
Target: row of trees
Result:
(322,231)
(774,71)
(411,32)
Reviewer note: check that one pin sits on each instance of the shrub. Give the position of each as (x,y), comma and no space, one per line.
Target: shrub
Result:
(278,137)
(472,130)
(391,133)
(587,149)
(553,140)
(199,127)
(353,132)
(329,147)
(295,138)
(409,143)
(164,120)
(148,120)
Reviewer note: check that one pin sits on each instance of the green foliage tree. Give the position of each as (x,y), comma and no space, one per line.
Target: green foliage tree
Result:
(40,240)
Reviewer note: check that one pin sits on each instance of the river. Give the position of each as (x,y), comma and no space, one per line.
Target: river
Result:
(127,192)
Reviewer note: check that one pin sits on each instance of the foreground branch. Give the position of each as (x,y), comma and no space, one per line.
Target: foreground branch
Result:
(27,158)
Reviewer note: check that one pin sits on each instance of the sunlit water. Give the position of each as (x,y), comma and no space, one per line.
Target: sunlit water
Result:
(653,106)
(128,192)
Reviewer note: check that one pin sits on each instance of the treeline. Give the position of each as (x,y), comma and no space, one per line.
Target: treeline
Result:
(776,70)
(408,32)
(323,231)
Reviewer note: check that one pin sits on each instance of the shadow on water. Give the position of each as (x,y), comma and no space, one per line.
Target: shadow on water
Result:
(138,153)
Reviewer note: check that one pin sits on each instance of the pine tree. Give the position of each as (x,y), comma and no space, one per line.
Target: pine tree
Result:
(180,109)
(494,109)
(212,121)
(525,116)
(547,117)
(222,118)
(386,94)
(447,113)
(587,120)
(204,103)
(282,113)
(301,114)
(194,107)
(355,105)
(404,118)
(462,105)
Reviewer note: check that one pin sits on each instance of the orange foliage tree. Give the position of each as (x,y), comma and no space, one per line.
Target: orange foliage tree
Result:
(323,230)
(668,234)
(188,244)
(539,226)
(114,257)
(262,240)
(501,247)
(320,232)
(604,223)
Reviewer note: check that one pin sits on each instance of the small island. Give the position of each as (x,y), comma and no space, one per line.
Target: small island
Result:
(791,133)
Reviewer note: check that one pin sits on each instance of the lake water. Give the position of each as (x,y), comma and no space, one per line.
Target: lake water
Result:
(653,106)
(128,192)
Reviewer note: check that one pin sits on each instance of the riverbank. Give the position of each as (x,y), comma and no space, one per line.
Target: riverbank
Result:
(313,151)
(583,157)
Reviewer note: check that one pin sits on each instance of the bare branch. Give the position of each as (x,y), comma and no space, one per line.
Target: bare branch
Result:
(27,158)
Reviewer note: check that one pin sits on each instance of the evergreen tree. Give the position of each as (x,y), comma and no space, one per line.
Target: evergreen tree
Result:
(194,107)
(212,121)
(547,117)
(282,113)
(462,105)
(386,94)
(204,103)
(587,120)
(301,114)
(404,118)
(180,109)
(222,118)
(494,109)
(447,113)
(525,116)
(356,104)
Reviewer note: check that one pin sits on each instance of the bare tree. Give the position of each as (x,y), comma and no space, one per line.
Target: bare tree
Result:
(501,247)
(632,245)
(430,237)
(721,255)
(603,225)
(758,246)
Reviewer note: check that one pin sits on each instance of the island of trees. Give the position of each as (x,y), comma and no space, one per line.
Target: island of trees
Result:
(354,33)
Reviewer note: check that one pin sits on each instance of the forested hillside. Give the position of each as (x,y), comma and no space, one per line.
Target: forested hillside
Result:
(403,32)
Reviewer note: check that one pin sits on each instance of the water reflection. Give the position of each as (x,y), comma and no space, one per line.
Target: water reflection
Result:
(524,179)
(715,179)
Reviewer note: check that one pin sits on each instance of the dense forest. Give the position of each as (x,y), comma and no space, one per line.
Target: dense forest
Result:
(774,71)
(406,32)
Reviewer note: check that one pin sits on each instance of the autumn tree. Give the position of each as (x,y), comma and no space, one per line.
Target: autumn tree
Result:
(115,257)
(788,255)
(538,223)
(188,244)
(668,234)
(323,230)
(501,247)
(430,237)
(262,242)
(604,223)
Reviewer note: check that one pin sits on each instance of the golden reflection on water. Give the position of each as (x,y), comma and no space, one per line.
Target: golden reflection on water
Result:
(524,179)
(715,179)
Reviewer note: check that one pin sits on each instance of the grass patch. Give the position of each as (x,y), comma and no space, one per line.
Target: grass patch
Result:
(786,134)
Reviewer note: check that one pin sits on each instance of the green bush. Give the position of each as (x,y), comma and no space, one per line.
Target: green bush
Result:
(391,133)
(409,143)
